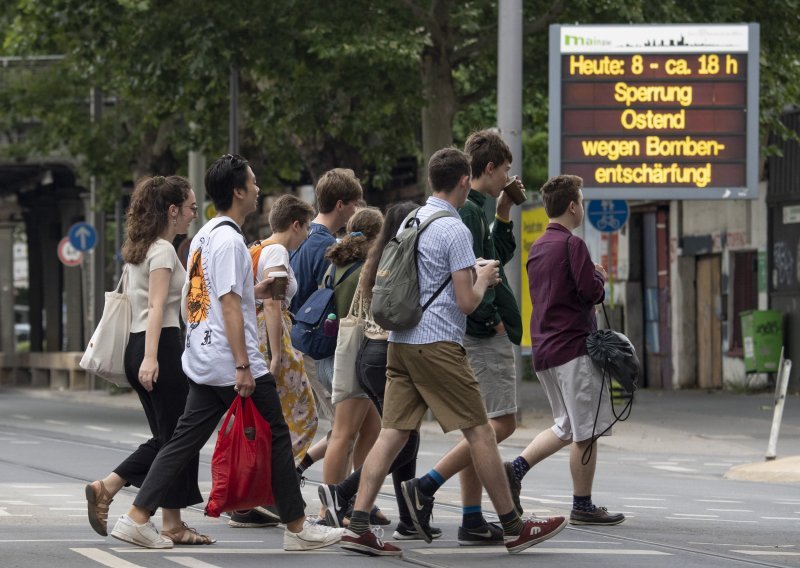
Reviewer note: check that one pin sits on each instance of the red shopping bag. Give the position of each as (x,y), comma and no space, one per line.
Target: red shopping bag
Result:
(241,468)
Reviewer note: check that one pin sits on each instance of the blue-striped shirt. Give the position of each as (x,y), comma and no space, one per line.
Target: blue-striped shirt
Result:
(444,247)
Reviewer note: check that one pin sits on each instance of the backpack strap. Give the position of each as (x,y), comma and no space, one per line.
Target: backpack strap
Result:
(255,254)
(348,272)
(421,227)
(221,224)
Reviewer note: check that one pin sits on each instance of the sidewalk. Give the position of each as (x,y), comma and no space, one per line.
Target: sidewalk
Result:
(689,422)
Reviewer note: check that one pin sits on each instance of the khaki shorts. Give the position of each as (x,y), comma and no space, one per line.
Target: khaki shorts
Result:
(575,389)
(436,376)
(492,361)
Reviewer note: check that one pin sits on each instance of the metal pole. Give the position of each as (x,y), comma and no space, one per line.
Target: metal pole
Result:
(509,120)
(197,168)
(233,117)
(784,371)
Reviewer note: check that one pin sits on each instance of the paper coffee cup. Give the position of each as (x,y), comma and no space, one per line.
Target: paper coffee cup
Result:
(514,190)
(278,286)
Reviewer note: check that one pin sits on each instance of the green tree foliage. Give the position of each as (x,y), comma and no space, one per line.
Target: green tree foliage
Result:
(356,83)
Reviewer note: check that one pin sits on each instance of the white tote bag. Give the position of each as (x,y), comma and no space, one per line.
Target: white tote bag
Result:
(105,354)
(348,341)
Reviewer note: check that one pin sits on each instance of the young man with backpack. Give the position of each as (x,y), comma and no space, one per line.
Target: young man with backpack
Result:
(337,196)
(492,330)
(427,368)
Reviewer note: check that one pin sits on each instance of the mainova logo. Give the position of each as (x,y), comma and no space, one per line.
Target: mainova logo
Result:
(582,40)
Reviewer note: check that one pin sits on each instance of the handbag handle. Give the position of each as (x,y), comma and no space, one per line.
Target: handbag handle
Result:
(357,308)
(122,285)
(234,410)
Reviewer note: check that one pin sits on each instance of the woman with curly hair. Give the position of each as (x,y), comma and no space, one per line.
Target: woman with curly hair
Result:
(355,417)
(161,208)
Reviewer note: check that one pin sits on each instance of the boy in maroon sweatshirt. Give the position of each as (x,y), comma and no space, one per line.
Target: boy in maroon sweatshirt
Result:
(565,285)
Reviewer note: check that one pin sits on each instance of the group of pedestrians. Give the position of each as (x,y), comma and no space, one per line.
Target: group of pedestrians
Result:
(457,362)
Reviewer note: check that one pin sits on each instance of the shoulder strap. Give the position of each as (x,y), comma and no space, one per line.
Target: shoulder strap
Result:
(422,227)
(432,218)
(348,272)
(255,254)
(330,274)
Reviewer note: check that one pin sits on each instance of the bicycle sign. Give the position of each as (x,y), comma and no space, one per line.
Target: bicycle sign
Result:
(607,215)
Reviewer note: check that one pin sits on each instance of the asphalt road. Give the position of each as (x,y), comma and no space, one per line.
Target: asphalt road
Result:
(680,510)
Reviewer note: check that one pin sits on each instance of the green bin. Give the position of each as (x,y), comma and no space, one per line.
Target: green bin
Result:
(762,334)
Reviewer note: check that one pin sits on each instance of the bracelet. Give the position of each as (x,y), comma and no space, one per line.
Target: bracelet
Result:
(243,366)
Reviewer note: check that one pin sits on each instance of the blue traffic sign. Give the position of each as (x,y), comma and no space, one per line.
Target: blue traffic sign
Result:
(82,236)
(607,215)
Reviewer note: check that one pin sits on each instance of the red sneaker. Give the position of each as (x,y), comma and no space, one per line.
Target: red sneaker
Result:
(368,543)
(533,532)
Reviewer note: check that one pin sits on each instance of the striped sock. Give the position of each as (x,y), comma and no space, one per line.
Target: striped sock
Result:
(512,523)
(359,522)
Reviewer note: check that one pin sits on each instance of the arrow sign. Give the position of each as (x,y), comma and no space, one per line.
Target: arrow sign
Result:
(82,236)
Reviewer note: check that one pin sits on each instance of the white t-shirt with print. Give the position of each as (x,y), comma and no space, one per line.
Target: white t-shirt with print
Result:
(273,255)
(224,267)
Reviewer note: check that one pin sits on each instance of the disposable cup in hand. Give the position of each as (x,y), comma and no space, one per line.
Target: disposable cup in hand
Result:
(278,286)
(484,262)
(513,189)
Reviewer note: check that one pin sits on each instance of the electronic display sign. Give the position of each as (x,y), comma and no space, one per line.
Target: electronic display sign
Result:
(656,111)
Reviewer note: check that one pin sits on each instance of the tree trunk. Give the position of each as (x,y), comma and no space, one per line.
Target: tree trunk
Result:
(438,87)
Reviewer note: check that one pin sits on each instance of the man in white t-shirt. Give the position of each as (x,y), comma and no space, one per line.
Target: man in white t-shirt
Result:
(222,361)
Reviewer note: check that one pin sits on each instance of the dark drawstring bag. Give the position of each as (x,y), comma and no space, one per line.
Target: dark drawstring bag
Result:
(615,354)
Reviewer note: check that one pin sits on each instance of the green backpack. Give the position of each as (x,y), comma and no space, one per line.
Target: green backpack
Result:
(395,296)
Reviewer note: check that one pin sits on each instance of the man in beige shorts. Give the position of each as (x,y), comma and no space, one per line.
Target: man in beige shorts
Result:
(427,368)
(492,330)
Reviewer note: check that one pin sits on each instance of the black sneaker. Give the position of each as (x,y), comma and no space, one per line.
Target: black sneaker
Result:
(251,519)
(515,485)
(406,531)
(490,534)
(334,507)
(420,507)
(597,516)
(270,511)
(377,518)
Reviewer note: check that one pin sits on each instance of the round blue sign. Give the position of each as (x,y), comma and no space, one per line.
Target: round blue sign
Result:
(82,236)
(607,215)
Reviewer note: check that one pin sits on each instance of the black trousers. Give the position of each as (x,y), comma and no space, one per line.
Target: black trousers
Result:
(163,407)
(371,369)
(205,406)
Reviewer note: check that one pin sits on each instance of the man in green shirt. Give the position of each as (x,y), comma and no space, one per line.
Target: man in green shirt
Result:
(492,330)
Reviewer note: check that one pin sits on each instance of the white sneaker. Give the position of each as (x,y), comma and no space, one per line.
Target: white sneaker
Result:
(311,537)
(145,535)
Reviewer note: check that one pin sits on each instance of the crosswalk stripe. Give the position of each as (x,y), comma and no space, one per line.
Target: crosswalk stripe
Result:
(215,550)
(104,558)
(766,552)
(190,562)
(494,549)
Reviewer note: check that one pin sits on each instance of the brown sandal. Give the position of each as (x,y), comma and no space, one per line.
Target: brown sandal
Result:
(97,506)
(187,535)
